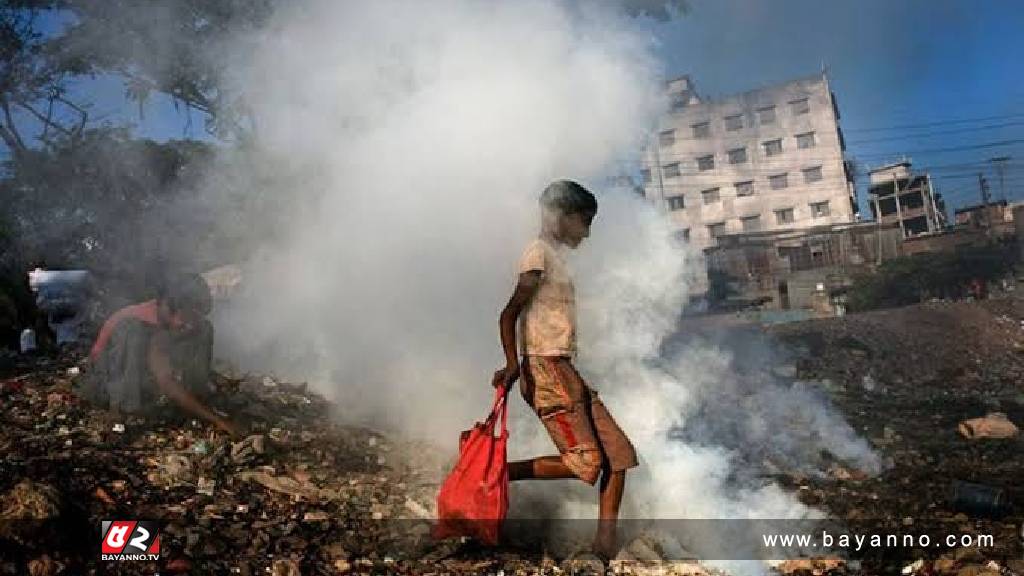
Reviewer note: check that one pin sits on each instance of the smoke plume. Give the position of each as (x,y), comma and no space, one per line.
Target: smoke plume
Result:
(409,142)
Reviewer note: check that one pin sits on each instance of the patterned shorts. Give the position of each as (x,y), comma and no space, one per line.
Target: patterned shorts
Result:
(583,430)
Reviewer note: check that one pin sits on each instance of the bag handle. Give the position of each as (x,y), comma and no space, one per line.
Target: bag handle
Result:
(500,400)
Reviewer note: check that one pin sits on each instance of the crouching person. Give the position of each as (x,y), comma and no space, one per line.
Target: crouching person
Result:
(159,347)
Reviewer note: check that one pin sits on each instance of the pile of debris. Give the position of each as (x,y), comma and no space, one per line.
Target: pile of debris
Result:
(938,389)
(299,495)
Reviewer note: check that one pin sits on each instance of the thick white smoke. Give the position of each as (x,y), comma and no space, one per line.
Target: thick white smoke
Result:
(424,133)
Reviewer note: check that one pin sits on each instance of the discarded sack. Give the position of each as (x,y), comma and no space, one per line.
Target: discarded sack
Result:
(994,425)
(473,500)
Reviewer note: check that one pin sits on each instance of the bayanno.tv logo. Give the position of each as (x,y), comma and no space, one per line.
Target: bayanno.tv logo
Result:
(130,540)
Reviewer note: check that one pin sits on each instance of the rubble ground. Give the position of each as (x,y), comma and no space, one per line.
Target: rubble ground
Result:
(905,378)
(304,495)
(300,495)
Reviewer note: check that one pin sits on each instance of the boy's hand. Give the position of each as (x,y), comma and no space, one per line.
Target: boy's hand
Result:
(506,376)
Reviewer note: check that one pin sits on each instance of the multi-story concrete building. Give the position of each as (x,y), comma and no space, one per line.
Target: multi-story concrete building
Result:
(919,209)
(768,159)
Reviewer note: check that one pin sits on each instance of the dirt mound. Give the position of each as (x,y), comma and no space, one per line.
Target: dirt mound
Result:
(934,344)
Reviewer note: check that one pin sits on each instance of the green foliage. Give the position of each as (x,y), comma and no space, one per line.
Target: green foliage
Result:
(917,278)
(167,46)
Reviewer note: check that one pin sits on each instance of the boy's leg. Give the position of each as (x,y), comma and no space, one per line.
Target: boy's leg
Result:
(612,486)
(543,468)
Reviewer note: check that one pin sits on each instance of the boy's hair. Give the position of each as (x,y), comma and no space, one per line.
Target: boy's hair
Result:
(568,197)
(186,292)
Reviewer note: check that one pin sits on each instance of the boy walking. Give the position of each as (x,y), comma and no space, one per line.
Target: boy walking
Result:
(590,444)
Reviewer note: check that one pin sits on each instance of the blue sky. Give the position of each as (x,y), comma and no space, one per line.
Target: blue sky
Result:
(953,65)
(890,63)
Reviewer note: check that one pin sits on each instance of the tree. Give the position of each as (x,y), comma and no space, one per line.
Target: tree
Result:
(32,89)
(170,46)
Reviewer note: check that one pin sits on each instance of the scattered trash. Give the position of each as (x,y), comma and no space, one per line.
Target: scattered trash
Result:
(27,341)
(206,486)
(978,499)
(119,428)
(913,568)
(994,425)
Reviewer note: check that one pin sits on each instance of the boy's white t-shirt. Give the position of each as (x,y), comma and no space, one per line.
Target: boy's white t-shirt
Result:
(548,323)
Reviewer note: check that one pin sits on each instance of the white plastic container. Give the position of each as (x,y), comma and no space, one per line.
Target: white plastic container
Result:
(28,340)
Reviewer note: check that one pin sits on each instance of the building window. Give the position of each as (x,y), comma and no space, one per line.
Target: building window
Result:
(800,106)
(706,162)
(702,130)
(772,147)
(733,123)
(676,202)
(812,174)
(737,156)
(751,223)
(710,196)
(716,230)
(745,188)
(766,115)
(667,137)
(683,235)
(646,175)
(805,140)
(680,100)
(820,209)
(784,216)
(671,170)
(778,181)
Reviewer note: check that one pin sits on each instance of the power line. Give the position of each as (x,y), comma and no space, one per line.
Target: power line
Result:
(936,123)
(978,146)
(936,133)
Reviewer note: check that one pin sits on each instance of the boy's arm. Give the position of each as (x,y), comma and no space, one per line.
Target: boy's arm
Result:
(160,367)
(526,287)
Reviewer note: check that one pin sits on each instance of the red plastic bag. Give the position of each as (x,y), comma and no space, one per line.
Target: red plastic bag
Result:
(473,500)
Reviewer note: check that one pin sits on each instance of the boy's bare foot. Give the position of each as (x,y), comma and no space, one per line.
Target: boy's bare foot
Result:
(605,544)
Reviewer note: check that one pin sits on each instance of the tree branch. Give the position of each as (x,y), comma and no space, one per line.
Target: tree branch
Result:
(11,135)
(47,120)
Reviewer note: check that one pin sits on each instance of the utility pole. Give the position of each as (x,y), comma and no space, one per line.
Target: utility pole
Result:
(661,180)
(896,197)
(983,185)
(1000,165)
(878,228)
(935,207)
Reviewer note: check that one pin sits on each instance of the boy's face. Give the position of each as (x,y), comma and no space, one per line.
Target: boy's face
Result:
(575,227)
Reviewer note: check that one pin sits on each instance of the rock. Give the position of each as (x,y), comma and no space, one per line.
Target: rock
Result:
(993,425)
(246,450)
(976,570)
(913,568)
(945,565)
(795,566)
(285,568)
(29,500)
(178,566)
(418,510)
(43,566)
(315,516)
(206,486)
(297,489)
